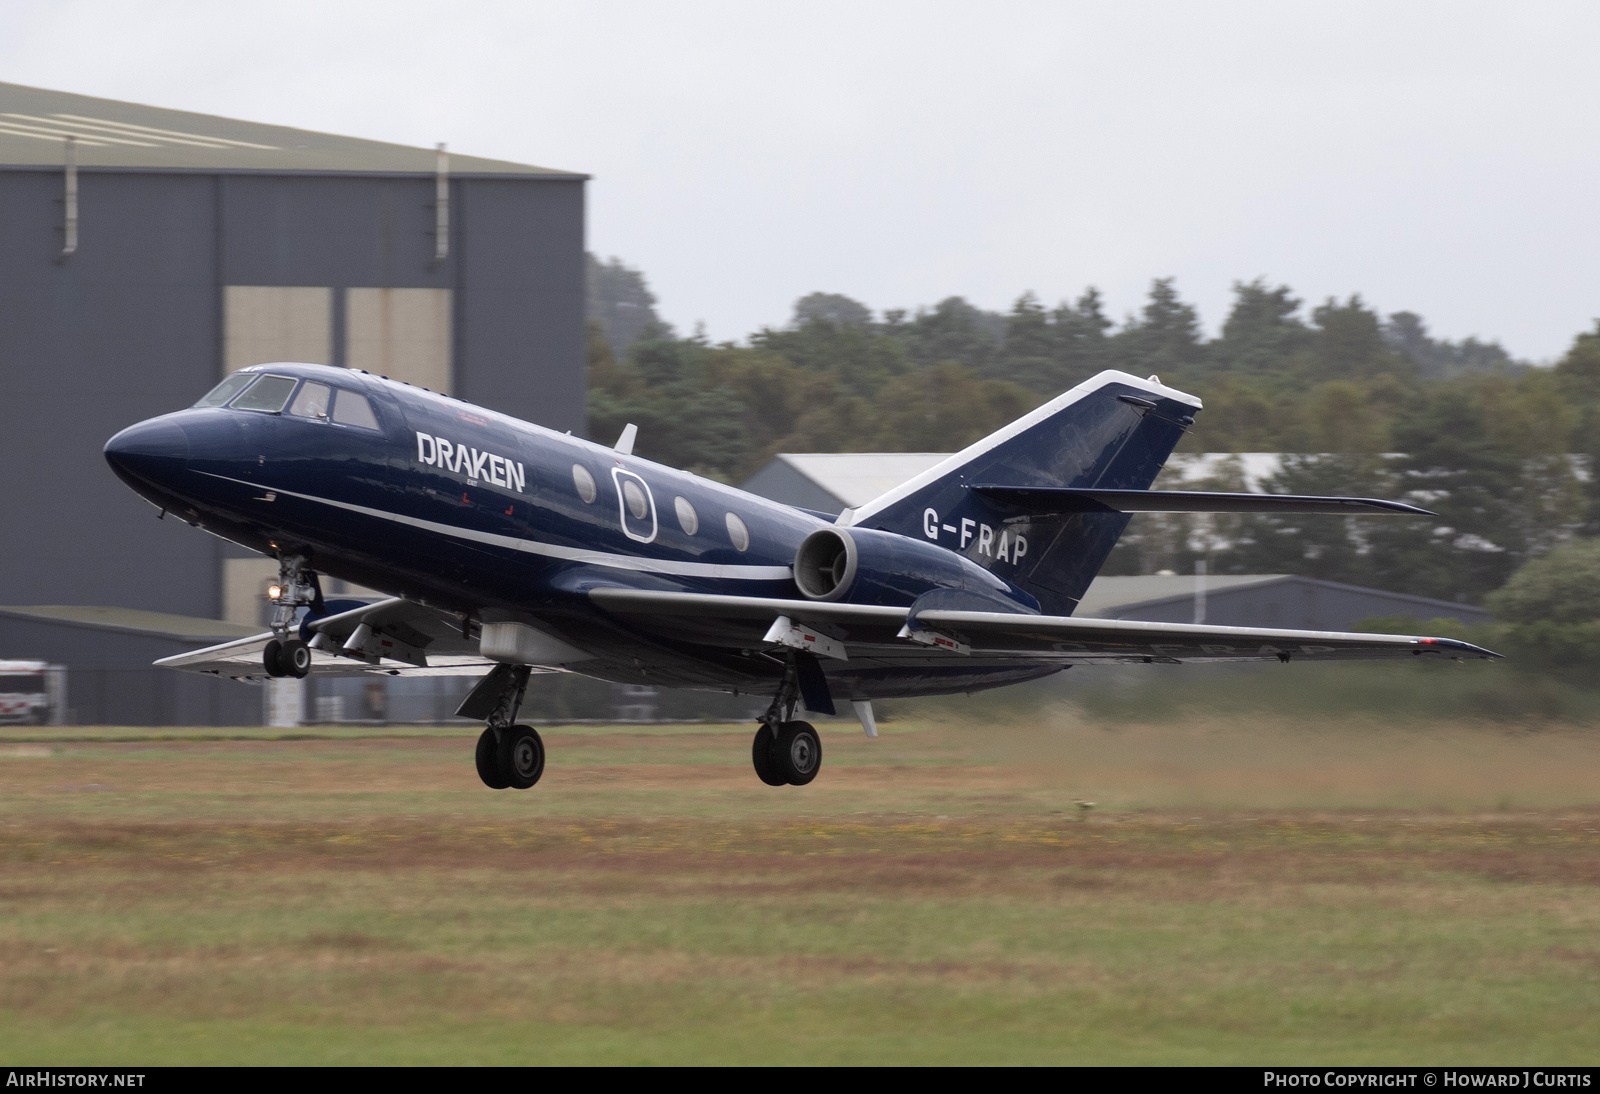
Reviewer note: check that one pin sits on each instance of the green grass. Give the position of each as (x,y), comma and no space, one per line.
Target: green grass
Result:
(1243,891)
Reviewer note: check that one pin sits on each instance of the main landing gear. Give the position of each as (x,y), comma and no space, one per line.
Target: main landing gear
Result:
(789,754)
(508,755)
(297,587)
(786,752)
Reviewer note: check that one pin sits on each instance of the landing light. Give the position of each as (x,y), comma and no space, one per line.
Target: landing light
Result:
(274,592)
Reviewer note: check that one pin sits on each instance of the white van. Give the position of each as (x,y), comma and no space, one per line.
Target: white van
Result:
(33,693)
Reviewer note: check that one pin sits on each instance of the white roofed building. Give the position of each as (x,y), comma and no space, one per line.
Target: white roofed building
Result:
(828,482)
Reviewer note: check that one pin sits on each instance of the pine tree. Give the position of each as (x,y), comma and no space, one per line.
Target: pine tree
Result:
(1165,339)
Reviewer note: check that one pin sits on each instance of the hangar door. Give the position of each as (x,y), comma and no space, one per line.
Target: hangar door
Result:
(263,323)
(405,334)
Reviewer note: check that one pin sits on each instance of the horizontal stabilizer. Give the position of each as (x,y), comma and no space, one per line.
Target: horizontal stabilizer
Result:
(1074,499)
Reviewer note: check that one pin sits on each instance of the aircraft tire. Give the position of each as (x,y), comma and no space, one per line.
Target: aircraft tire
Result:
(488,758)
(761,757)
(270,659)
(521,757)
(798,753)
(294,658)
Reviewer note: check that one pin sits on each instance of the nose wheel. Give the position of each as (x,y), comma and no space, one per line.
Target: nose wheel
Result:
(286,658)
(297,587)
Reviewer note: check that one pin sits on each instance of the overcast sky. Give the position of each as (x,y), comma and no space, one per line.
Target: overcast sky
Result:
(1436,157)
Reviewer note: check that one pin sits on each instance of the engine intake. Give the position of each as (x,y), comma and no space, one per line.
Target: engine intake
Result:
(872,566)
(825,565)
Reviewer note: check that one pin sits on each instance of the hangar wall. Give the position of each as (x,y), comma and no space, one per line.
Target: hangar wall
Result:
(181,276)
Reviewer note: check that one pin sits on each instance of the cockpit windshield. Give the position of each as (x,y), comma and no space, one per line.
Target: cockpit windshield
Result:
(268,393)
(226,390)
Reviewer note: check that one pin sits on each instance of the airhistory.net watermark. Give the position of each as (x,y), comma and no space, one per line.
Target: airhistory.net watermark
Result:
(49,1078)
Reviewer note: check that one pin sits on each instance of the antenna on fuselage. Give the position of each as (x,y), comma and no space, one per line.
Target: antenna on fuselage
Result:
(624,443)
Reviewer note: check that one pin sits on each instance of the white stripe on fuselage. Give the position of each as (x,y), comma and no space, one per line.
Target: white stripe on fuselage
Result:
(548,550)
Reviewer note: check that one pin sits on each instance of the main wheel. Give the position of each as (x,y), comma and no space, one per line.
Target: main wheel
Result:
(798,754)
(521,756)
(294,658)
(761,756)
(488,758)
(272,658)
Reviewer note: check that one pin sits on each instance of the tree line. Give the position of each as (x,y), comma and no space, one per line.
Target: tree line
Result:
(1363,403)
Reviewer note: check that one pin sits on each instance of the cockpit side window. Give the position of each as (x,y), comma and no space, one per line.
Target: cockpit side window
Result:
(352,408)
(227,389)
(269,393)
(312,402)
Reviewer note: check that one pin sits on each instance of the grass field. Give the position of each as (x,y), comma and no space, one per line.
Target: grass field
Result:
(1249,890)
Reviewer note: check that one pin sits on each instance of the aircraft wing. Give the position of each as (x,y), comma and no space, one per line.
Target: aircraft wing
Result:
(1127,640)
(875,633)
(403,638)
(1073,499)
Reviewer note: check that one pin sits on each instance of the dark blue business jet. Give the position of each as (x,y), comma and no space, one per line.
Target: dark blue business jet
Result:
(508,549)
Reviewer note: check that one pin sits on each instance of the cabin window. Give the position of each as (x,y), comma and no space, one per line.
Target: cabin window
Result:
(312,402)
(637,508)
(352,408)
(738,533)
(268,393)
(637,505)
(686,515)
(227,389)
(584,482)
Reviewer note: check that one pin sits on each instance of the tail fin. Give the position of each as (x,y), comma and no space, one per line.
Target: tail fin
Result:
(1113,431)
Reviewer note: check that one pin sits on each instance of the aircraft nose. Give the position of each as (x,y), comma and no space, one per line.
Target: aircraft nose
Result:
(152,451)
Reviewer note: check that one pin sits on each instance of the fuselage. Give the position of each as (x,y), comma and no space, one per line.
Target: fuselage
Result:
(429,498)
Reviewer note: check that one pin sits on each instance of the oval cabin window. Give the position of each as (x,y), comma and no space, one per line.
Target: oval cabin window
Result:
(686,515)
(637,505)
(738,533)
(584,482)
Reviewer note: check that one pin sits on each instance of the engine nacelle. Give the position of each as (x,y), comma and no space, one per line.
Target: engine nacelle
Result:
(867,566)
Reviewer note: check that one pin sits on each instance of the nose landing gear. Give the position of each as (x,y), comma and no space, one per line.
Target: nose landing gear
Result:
(286,658)
(297,587)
